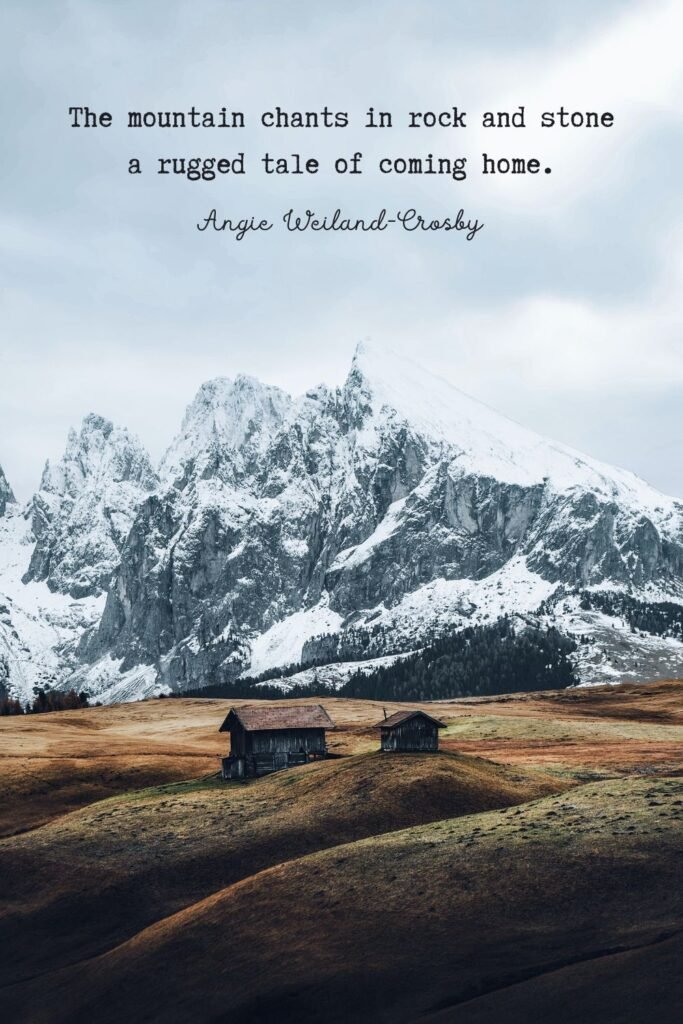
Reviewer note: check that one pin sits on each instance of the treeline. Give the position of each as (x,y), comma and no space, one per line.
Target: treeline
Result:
(359,644)
(477,661)
(244,689)
(662,618)
(45,700)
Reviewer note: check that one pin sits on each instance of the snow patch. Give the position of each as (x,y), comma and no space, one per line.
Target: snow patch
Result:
(283,643)
(335,675)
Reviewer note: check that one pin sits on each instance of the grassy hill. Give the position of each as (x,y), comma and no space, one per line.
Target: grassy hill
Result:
(96,876)
(412,924)
(542,879)
(54,763)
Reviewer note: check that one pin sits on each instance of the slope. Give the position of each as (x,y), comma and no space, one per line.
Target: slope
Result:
(413,923)
(483,441)
(52,764)
(93,878)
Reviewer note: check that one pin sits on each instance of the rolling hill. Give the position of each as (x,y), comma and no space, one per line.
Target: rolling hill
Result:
(540,879)
(436,921)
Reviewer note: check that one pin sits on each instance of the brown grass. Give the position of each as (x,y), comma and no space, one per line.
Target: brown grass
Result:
(53,763)
(301,897)
(430,921)
(95,877)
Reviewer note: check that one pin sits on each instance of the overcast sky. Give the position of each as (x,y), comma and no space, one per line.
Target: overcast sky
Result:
(564,312)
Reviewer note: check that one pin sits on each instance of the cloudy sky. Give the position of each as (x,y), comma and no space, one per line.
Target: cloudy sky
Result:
(564,312)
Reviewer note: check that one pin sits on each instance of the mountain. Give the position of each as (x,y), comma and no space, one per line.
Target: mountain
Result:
(6,496)
(83,510)
(229,424)
(352,528)
(362,521)
(58,554)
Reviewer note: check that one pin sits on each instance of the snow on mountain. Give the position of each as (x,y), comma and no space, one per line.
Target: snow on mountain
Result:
(39,629)
(283,643)
(484,442)
(333,675)
(84,508)
(57,556)
(283,529)
(238,417)
(348,526)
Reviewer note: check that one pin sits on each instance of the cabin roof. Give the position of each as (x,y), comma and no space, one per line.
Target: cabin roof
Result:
(402,716)
(259,719)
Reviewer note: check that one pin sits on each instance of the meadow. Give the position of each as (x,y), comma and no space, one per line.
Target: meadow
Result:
(531,867)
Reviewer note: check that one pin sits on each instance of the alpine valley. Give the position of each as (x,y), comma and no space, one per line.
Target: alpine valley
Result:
(307,540)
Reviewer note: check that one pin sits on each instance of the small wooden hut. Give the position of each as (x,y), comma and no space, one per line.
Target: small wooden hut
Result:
(410,731)
(268,739)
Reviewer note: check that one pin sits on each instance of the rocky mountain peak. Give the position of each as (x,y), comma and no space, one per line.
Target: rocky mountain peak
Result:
(228,419)
(391,389)
(85,506)
(97,455)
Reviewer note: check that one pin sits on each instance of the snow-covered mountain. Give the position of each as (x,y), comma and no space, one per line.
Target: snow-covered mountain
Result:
(84,508)
(354,521)
(58,554)
(39,629)
(283,528)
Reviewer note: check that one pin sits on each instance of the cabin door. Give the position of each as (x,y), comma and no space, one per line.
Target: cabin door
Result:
(279,760)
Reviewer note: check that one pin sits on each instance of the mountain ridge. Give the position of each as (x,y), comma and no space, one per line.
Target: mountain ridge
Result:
(393,499)
(84,506)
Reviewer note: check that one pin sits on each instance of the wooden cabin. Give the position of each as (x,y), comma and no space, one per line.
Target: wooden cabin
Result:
(410,732)
(268,739)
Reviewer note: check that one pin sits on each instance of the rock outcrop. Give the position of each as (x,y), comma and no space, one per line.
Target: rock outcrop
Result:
(84,508)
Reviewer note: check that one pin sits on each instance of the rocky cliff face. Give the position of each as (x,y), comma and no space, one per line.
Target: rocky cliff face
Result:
(6,496)
(84,508)
(394,500)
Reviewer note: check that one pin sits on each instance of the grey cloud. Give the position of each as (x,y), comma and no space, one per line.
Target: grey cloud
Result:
(112,300)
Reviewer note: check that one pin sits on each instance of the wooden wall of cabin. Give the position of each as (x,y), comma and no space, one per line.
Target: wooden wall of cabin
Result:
(283,740)
(414,735)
